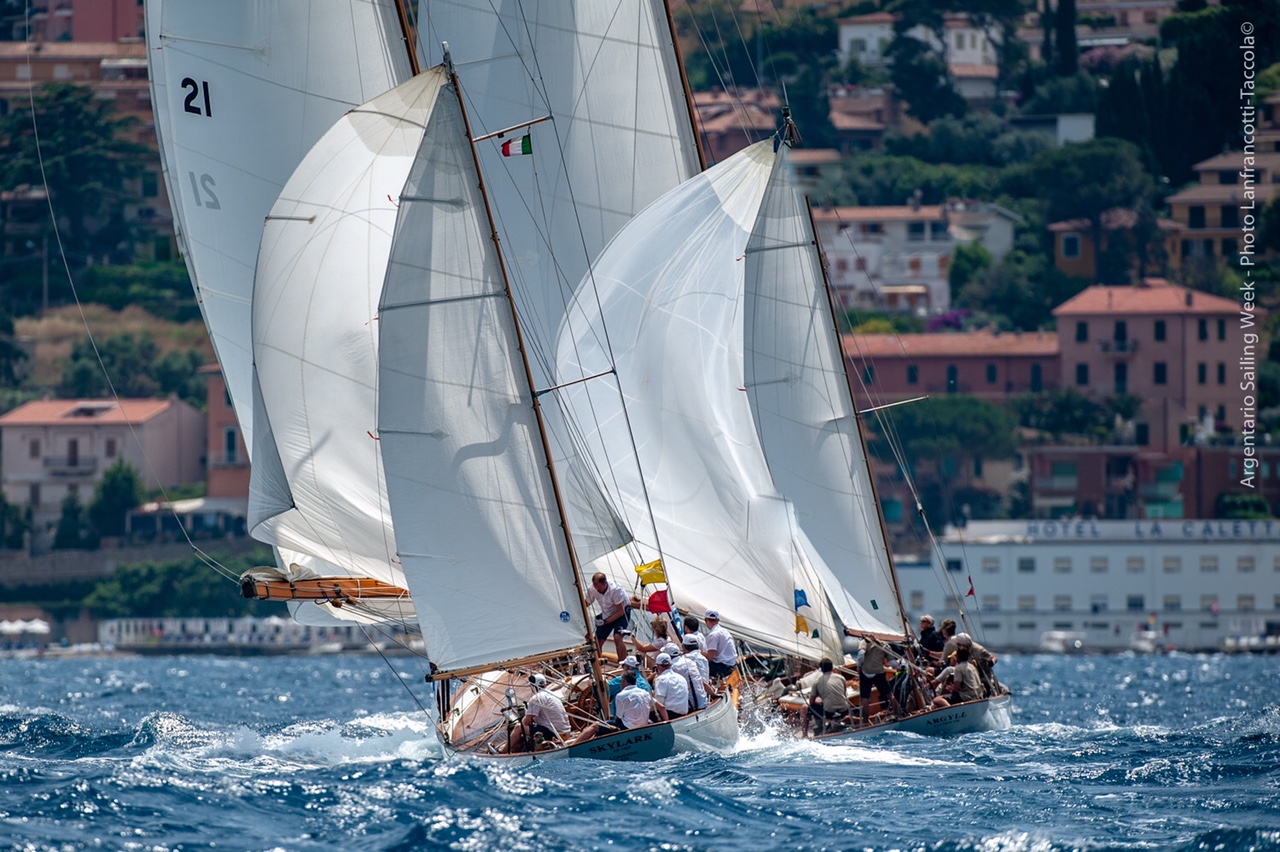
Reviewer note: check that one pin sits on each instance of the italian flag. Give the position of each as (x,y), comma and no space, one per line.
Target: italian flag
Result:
(517,147)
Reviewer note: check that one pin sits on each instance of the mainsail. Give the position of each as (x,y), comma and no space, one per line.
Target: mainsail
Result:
(241,91)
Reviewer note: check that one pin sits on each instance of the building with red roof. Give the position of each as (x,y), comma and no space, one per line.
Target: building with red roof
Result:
(56,447)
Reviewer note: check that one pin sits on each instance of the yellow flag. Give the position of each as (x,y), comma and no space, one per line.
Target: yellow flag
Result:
(802,625)
(651,572)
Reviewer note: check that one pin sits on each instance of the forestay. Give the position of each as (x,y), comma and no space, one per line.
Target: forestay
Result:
(671,291)
(480,536)
(803,410)
(319,487)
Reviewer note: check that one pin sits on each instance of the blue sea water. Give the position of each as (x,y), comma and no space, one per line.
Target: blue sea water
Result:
(1175,752)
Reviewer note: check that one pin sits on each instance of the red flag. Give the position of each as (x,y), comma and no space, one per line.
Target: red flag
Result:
(658,601)
(970,593)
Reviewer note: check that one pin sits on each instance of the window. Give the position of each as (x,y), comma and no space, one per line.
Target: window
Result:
(1062,564)
(1135,565)
(1245,603)
(1161,331)
(1245,564)
(913,374)
(230,445)
(937,231)
(1122,378)
(1037,378)
(991,564)
(869,374)
(1222,329)
(1202,329)
(33,449)
(1173,565)
(991,603)
(991,374)
(150,185)
(917,600)
(1082,374)
(1135,603)
(1195,216)
(915,232)
(1097,603)
(1222,375)
(1027,603)
(1142,434)
(955,565)
(1209,603)
(109,450)
(1121,334)
(1062,603)
(1275,564)
(1070,245)
(1026,564)
(1208,564)
(953,383)
(1202,372)
(1098,565)
(1230,246)
(1173,603)
(1161,373)
(977,467)
(1230,216)
(1082,332)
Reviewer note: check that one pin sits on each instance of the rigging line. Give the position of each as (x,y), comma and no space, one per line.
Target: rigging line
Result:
(393,670)
(66,267)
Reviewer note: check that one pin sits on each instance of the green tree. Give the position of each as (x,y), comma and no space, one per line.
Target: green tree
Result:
(126,359)
(968,260)
(1061,412)
(14,524)
(119,491)
(162,288)
(923,79)
(74,532)
(82,153)
(11,354)
(185,587)
(1064,29)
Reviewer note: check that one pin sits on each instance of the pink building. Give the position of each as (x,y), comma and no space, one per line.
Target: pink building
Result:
(1178,350)
(56,447)
(227,455)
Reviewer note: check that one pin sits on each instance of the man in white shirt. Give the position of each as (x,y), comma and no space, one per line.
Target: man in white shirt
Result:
(544,714)
(693,651)
(615,612)
(634,708)
(670,690)
(686,667)
(722,653)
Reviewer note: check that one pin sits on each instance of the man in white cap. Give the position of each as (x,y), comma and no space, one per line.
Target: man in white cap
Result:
(615,685)
(544,715)
(635,709)
(693,651)
(687,668)
(722,653)
(670,690)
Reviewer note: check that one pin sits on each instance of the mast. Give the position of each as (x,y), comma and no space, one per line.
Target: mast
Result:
(596,672)
(684,84)
(410,40)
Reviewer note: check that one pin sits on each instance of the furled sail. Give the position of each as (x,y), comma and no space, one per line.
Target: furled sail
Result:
(671,292)
(474,508)
(318,487)
(803,410)
(241,91)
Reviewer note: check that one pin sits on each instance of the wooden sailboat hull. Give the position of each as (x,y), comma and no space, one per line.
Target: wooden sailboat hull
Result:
(713,729)
(985,714)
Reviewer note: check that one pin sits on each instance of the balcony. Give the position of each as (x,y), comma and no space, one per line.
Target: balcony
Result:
(1056,483)
(1118,348)
(68,466)
(1159,490)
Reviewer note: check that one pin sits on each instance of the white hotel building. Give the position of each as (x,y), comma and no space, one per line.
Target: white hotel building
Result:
(1196,582)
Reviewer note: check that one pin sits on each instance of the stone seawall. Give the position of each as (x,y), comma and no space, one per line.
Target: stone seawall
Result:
(19,569)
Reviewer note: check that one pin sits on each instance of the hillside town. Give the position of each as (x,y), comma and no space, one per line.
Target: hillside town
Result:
(1059,300)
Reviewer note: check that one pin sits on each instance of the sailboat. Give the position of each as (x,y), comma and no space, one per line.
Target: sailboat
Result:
(753,438)
(485,542)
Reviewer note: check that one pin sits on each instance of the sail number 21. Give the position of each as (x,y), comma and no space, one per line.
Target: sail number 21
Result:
(193,90)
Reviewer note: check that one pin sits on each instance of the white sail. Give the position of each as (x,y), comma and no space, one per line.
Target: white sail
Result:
(318,486)
(621,133)
(804,413)
(241,90)
(473,503)
(671,291)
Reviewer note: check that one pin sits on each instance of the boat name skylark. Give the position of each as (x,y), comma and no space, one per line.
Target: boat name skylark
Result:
(617,744)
